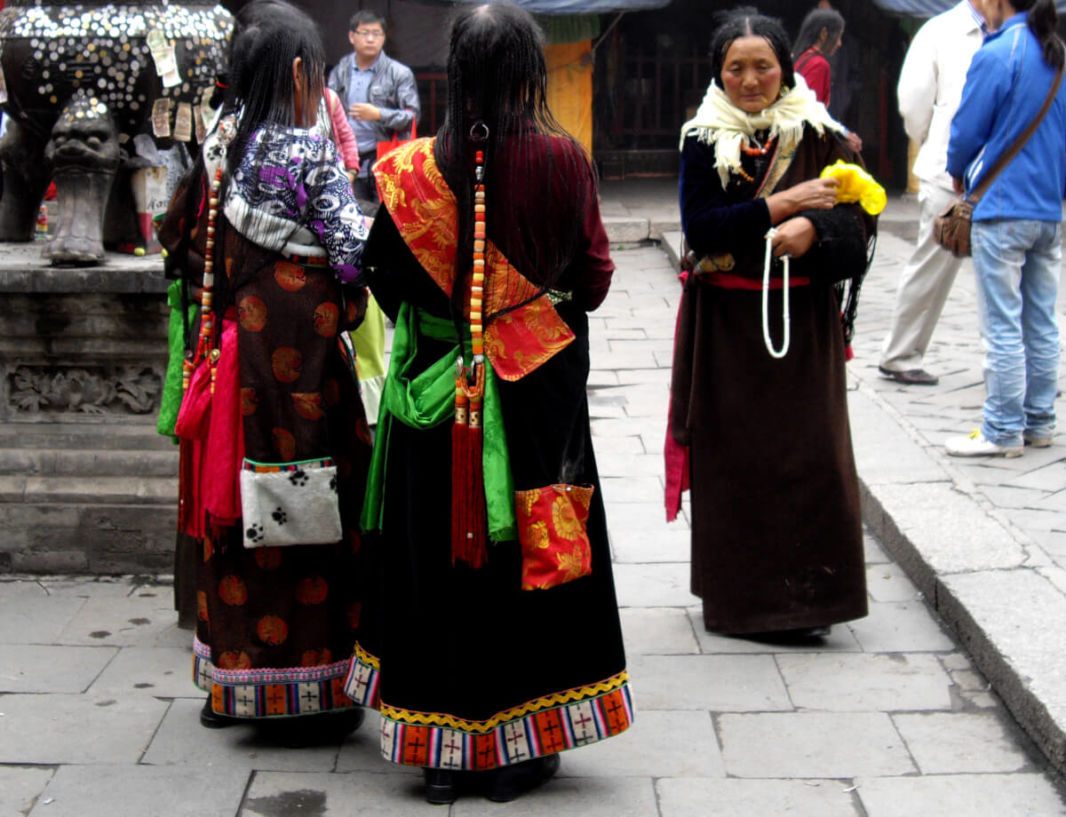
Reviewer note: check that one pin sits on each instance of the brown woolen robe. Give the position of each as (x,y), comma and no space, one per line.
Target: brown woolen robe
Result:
(776,521)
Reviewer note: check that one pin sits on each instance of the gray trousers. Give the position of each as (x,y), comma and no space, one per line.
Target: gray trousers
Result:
(923,288)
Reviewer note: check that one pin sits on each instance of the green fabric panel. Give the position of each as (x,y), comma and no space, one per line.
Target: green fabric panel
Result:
(426,400)
(569,28)
(369,341)
(170,400)
(496,463)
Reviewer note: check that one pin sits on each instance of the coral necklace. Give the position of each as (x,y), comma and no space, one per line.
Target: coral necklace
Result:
(759,150)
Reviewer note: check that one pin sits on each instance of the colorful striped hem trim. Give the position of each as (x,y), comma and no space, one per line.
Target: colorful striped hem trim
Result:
(547,725)
(543,733)
(363,678)
(270,693)
(363,684)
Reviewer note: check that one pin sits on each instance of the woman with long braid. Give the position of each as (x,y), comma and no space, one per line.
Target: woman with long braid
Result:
(495,641)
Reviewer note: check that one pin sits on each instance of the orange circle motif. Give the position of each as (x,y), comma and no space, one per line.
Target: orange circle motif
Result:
(268,558)
(312,590)
(232,591)
(234,659)
(284,443)
(350,312)
(272,630)
(252,314)
(201,605)
(316,658)
(209,548)
(286,362)
(290,277)
(309,405)
(325,319)
(249,402)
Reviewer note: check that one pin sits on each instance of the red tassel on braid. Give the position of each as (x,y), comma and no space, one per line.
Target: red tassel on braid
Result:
(469,514)
(469,517)
(460,469)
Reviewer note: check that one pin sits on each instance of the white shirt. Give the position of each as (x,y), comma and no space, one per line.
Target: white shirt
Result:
(931,82)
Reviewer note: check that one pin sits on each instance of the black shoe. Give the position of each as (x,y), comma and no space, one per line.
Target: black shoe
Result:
(910,377)
(511,781)
(798,635)
(210,719)
(440,786)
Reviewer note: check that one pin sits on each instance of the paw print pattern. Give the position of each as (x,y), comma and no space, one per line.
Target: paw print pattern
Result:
(298,478)
(254,533)
(279,516)
(333,483)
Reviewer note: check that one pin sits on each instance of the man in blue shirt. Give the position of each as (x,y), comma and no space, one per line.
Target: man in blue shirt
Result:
(1017,225)
(379,94)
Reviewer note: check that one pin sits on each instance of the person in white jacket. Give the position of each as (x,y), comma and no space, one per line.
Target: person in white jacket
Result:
(929,90)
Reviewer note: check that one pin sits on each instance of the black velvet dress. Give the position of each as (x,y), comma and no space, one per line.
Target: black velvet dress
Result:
(470,669)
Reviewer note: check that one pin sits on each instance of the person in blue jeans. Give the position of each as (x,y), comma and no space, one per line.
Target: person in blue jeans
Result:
(1017,224)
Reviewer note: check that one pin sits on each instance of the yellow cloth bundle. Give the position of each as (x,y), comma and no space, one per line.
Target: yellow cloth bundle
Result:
(855,184)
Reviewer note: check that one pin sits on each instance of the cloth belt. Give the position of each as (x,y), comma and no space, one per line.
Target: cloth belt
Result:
(426,399)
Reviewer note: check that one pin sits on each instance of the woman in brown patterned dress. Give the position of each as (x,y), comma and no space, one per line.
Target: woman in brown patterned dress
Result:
(283,232)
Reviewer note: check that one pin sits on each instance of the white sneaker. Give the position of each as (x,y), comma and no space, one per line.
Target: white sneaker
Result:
(975,445)
(1037,440)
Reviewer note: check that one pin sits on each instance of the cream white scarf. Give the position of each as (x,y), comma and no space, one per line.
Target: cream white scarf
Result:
(722,125)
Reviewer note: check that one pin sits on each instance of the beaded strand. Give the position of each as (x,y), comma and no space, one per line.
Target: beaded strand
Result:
(207,321)
(468,489)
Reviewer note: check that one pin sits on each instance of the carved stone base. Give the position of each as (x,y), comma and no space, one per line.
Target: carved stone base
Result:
(86,483)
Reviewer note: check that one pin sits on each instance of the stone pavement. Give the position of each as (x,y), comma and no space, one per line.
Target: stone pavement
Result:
(888,717)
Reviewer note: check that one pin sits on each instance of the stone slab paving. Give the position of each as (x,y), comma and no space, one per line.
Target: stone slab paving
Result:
(889,716)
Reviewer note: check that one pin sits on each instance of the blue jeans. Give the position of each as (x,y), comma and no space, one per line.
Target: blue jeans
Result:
(1018,263)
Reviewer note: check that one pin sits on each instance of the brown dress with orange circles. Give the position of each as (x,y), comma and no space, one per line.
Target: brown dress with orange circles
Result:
(276,625)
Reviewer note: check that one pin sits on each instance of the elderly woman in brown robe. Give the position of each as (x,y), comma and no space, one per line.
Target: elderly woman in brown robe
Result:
(758,390)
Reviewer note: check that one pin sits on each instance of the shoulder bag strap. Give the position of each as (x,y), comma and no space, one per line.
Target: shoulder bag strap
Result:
(1018,143)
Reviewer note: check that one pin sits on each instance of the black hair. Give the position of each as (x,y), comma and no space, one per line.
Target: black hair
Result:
(269,35)
(366,17)
(1044,23)
(497,103)
(746,21)
(811,28)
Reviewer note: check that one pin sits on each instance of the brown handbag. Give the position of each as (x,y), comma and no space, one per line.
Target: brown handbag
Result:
(951,229)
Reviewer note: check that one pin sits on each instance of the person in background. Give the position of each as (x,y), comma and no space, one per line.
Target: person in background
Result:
(368,339)
(268,210)
(820,37)
(379,94)
(494,641)
(1017,224)
(776,525)
(929,89)
(336,117)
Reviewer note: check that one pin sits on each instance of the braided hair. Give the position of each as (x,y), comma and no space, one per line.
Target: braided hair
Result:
(497,103)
